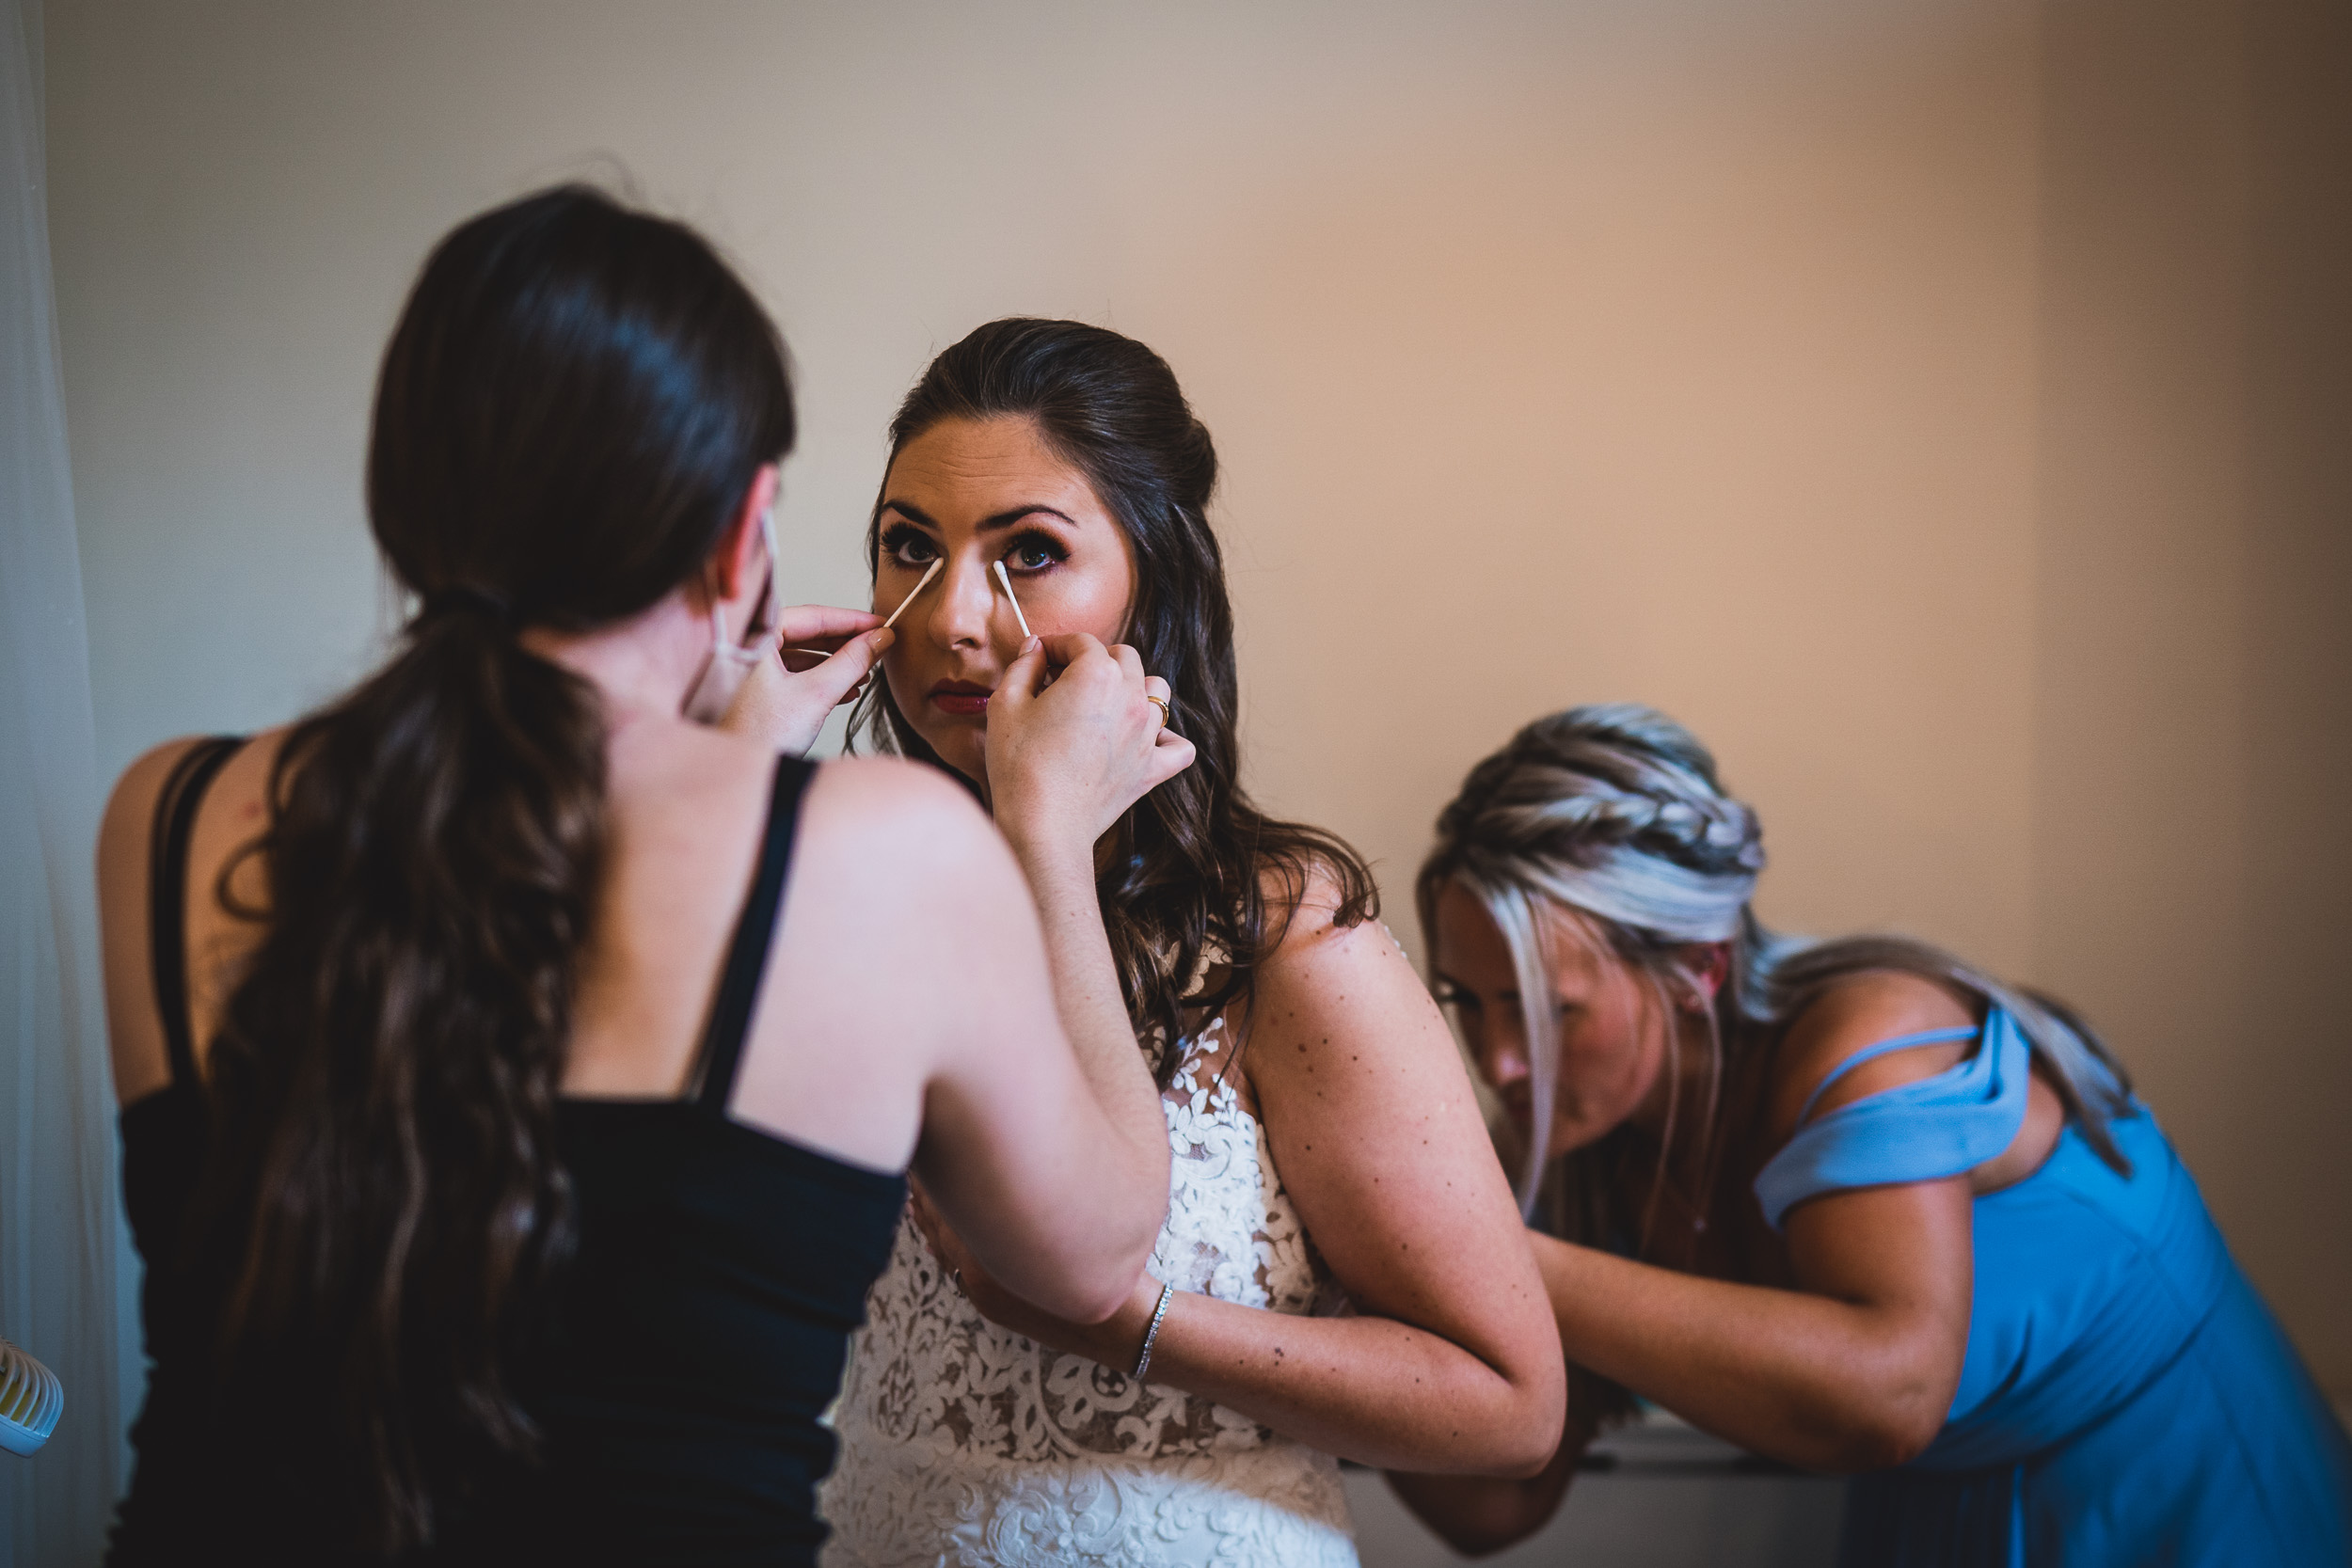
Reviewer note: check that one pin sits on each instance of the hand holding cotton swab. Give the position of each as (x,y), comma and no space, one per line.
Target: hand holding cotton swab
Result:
(920,584)
(928,572)
(1007,581)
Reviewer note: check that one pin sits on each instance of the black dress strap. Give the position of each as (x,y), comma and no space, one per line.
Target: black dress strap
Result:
(167,892)
(755,932)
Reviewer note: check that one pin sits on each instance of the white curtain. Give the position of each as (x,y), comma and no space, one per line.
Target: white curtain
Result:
(65,1280)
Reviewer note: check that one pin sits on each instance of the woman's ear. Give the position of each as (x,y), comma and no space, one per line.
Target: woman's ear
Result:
(735,568)
(1708,965)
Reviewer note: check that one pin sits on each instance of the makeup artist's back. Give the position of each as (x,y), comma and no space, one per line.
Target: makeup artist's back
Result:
(518,1078)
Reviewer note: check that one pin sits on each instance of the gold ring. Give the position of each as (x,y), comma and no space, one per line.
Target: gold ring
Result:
(1167,715)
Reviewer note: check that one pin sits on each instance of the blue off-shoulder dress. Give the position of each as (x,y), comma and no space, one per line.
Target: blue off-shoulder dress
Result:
(2127,1398)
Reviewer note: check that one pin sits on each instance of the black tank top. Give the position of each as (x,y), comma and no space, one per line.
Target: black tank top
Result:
(687,1351)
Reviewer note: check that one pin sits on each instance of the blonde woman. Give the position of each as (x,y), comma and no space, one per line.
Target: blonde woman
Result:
(1854,1205)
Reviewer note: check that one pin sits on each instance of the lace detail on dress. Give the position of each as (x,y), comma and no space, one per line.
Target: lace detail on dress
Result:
(965,1443)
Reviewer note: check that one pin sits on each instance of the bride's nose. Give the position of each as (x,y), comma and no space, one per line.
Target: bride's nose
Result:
(962,616)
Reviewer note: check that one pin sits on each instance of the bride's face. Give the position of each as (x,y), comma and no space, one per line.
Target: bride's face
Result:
(968,494)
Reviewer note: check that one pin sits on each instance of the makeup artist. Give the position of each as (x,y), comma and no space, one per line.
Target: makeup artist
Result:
(1854,1205)
(519,1072)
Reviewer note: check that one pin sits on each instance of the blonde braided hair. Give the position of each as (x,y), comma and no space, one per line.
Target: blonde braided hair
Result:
(1616,811)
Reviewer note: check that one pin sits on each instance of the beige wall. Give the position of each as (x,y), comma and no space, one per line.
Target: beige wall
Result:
(1751,360)
(2193,689)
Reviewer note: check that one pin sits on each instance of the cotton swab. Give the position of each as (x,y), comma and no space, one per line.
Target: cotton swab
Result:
(928,572)
(1026,632)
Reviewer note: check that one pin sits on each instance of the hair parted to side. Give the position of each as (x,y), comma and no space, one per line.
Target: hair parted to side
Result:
(573,405)
(1614,816)
(1199,875)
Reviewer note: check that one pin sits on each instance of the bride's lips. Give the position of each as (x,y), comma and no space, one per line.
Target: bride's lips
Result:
(960,698)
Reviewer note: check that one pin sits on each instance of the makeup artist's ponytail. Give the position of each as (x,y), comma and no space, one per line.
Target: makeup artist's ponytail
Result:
(1201,881)
(574,404)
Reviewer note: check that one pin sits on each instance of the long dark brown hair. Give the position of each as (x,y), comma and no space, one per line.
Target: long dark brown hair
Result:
(570,411)
(1198,881)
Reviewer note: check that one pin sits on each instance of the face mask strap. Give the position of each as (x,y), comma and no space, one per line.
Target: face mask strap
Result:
(768,612)
(731,662)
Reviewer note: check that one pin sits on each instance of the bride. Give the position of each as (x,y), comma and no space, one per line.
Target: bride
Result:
(1342,1270)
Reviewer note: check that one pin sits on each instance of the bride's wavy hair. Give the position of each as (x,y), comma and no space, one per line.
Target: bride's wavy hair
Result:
(1200,882)
(570,410)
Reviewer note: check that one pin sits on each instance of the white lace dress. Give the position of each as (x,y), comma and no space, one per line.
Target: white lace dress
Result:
(966,1443)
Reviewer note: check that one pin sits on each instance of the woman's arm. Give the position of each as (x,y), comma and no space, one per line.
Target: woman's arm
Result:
(1041,1153)
(911,956)
(1853,1371)
(1454,1366)
(1478,1514)
(909,998)
(1855,1367)
(1054,798)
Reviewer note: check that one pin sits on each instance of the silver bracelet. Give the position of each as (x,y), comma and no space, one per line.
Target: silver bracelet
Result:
(1143,1362)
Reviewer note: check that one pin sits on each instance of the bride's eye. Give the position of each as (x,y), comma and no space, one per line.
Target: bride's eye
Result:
(908,545)
(1035,552)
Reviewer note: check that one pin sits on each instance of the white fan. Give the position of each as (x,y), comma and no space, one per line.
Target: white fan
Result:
(30,1399)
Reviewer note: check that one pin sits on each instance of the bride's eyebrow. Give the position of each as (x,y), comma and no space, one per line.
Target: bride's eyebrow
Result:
(987,525)
(1006,519)
(912,513)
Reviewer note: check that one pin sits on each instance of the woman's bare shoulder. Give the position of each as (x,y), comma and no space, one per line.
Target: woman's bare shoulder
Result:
(1312,911)
(1848,1016)
(891,795)
(905,836)
(234,809)
(132,801)
(1335,984)
(905,853)
(124,831)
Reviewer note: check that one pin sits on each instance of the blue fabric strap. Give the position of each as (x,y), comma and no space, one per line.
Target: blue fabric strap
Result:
(1900,1042)
(1918,1131)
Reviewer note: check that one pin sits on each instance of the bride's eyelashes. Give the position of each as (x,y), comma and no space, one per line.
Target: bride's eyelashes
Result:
(1032,551)
(908,545)
(1029,552)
